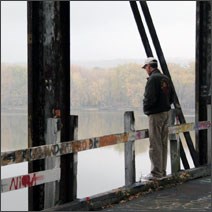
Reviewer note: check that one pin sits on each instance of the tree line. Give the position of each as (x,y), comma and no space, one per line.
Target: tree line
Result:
(103,88)
(123,86)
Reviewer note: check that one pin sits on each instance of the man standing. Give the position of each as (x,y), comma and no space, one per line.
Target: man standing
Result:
(158,97)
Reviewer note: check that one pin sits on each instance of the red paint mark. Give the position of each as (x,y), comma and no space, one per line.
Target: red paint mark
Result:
(57,113)
(34,180)
(14,182)
(25,181)
(204,125)
(88,199)
(41,177)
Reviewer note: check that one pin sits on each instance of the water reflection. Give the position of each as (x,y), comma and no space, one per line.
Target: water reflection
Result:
(98,123)
(13,131)
(99,170)
(13,137)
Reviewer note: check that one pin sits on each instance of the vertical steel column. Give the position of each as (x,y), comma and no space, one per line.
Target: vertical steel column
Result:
(203,72)
(48,79)
(35,112)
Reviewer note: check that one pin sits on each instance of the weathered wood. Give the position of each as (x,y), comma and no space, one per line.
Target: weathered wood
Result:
(53,136)
(74,146)
(129,150)
(175,154)
(202,125)
(209,152)
(29,180)
(41,152)
(74,130)
(174,146)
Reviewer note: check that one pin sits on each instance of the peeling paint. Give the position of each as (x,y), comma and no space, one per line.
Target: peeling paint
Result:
(189,127)
(49,23)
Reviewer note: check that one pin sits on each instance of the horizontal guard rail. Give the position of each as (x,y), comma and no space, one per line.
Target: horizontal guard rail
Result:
(202,125)
(29,180)
(41,152)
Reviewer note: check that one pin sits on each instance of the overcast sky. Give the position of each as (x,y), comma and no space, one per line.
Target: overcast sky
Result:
(106,30)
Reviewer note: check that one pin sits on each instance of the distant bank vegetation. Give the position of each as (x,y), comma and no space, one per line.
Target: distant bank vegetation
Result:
(103,88)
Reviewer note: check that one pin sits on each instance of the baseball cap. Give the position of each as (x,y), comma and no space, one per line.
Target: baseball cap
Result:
(149,60)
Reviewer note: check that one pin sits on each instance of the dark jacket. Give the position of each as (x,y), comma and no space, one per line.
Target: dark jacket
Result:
(158,95)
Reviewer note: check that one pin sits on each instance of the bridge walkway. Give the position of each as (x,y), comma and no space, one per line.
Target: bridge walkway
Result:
(194,195)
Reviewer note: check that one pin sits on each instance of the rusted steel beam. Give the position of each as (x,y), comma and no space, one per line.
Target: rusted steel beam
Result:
(141,28)
(165,70)
(203,72)
(48,79)
(29,180)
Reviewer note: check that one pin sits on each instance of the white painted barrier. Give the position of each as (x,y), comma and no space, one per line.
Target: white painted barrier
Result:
(29,180)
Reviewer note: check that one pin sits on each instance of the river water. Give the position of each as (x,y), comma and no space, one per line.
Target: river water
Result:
(99,170)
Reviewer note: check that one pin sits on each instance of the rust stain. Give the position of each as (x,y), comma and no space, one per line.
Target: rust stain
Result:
(19,156)
(66,148)
(39,152)
(85,144)
(26,154)
(123,138)
(47,151)
(113,139)
(204,125)
(57,113)
(36,153)
(107,140)
(80,145)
